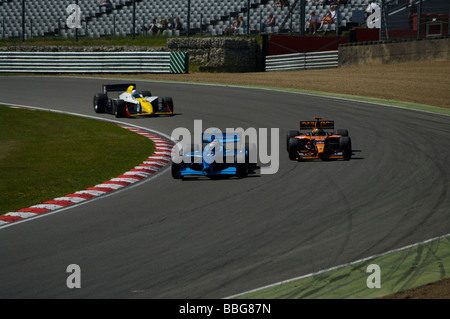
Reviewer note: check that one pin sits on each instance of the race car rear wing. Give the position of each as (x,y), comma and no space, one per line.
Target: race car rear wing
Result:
(318,123)
(116,87)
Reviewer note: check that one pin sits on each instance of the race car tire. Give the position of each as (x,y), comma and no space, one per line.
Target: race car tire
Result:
(241,166)
(289,135)
(342,132)
(250,148)
(176,168)
(100,101)
(167,104)
(146,93)
(119,108)
(294,146)
(346,147)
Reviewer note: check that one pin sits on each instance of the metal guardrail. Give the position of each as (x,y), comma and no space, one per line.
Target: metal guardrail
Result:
(93,62)
(302,61)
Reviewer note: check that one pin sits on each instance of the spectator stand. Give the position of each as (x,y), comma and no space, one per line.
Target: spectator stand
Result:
(209,17)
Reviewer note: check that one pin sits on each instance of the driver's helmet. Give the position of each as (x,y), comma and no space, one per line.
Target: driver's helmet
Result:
(211,148)
(135,94)
(319,132)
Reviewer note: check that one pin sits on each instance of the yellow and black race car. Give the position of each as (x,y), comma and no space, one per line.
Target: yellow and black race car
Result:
(131,102)
(318,143)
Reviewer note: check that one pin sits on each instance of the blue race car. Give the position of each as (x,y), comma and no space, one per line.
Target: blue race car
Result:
(216,159)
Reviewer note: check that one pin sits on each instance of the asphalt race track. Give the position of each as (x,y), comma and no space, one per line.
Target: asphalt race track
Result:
(203,238)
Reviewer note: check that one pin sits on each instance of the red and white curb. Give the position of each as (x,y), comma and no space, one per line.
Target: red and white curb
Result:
(160,158)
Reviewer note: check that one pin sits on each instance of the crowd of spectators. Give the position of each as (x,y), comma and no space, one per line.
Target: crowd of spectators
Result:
(234,29)
(314,23)
(159,27)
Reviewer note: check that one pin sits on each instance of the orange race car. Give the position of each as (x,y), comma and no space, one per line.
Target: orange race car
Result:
(318,143)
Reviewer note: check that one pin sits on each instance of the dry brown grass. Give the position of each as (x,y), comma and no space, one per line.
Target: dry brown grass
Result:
(417,82)
(436,290)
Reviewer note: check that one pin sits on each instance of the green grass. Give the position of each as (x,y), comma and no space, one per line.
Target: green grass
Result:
(407,268)
(44,155)
(139,40)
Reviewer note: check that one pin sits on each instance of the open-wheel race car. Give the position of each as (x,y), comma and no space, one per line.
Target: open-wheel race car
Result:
(131,102)
(222,155)
(321,142)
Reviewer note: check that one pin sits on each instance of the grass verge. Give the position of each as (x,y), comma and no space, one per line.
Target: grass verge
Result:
(140,40)
(44,155)
(408,268)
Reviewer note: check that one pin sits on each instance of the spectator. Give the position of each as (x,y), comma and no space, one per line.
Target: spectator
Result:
(242,25)
(169,24)
(153,29)
(270,22)
(178,26)
(162,26)
(412,10)
(313,22)
(231,29)
(106,3)
(330,17)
